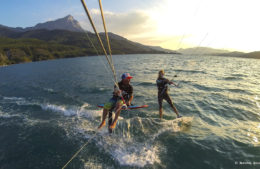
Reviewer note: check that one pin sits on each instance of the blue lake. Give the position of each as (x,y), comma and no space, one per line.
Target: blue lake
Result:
(48,111)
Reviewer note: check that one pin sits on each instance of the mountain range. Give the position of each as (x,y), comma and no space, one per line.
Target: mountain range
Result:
(61,38)
(66,23)
(218,52)
(69,30)
(65,37)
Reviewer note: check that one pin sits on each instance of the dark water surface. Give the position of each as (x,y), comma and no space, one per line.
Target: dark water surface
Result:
(48,111)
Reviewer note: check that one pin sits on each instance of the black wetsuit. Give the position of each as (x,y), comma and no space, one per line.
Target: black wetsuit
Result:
(127,92)
(163,91)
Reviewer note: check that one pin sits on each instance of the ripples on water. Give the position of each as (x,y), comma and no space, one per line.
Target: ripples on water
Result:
(48,111)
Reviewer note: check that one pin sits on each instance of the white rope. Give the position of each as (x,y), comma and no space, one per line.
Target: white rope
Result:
(79,151)
(101,60)
(109,61)
(107,38)
(99,39)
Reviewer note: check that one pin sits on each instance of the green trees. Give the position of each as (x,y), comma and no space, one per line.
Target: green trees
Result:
(13,51)
(3,59)
(36,45)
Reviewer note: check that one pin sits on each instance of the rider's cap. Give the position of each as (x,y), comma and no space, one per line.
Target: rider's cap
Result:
(126,76)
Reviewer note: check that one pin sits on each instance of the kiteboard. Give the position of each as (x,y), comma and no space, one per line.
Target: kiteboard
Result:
(124,108)
(128,107)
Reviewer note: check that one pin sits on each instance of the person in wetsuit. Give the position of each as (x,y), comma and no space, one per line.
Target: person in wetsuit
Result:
(122,97)
(162,85)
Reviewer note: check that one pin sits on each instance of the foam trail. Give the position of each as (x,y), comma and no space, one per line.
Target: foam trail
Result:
(60,109)
(82,107)
(137,155)
(74,111)
(18,101)
(13,98)
(257,104)
(128,152)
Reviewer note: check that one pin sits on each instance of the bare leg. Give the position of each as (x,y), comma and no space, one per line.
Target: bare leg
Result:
(160,99)
(110,120)
(175,110)
(103,123)
(160,113)
(118,110)
(168,99)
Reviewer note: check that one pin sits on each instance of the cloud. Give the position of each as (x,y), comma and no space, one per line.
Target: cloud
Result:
(169,42)
(169,26)
(124,24)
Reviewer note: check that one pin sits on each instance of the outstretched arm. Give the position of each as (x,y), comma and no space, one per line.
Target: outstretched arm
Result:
(173,83)
(130,100)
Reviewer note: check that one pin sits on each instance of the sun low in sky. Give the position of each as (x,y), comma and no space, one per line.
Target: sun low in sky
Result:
(172,24)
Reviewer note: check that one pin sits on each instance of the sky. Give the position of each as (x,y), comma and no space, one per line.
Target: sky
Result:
(172,24)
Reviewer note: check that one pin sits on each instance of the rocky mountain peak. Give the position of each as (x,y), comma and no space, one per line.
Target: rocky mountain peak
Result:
(66,23)
(69,18)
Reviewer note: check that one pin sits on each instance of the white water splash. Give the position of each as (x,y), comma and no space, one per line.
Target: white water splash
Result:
(72,111)
(129,152)
(59,109)
(48,90)
(255,139)
(13,98)
(257,104)
(137,155)
(173,125)
(18,101)
(63,109)
(126,151)
(141,155)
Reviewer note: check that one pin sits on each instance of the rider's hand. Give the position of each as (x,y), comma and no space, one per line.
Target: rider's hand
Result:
(124,106)
(128,103)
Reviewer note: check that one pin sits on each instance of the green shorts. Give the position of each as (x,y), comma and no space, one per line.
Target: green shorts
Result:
(111,104)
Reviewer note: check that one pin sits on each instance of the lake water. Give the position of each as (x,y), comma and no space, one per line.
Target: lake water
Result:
(48,111)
